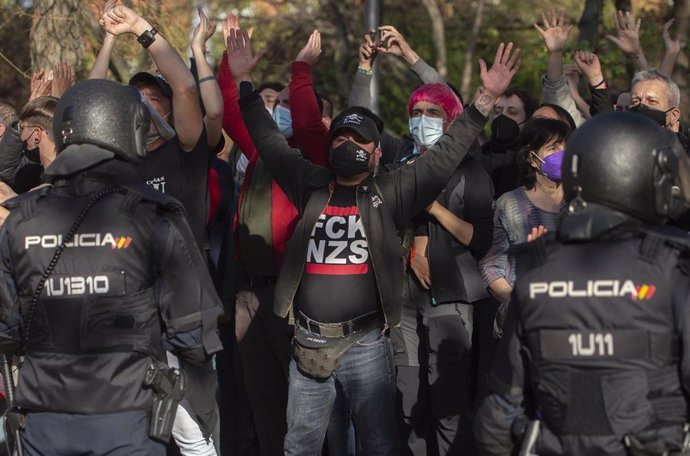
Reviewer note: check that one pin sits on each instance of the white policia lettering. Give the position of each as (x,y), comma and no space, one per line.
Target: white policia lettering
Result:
(599,344)
(77,285)
(51,241)
(593,288)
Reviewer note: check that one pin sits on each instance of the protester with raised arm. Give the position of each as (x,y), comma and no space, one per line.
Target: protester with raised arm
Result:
(589,65)
(672,49)
(627,38)
(555,82)
(346,293)
(176,164)
(309,132)
(209,91)
(433,346)
(391,42)
(265,221)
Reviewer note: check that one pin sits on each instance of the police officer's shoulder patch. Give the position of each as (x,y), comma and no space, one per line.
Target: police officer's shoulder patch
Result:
(22,199)
(670,236)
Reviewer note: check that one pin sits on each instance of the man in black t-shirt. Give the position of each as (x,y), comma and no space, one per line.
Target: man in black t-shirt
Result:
(178,167)
(343,262)
(338,264)
(182,175)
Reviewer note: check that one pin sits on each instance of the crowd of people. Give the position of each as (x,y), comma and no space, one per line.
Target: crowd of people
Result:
(355,284)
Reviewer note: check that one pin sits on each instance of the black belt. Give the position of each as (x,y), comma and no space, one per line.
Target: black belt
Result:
(259,280)
(343,329)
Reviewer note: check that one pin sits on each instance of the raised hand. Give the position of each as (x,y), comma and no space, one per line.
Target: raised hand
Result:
(119,20)
(367,53)
(241,57)
(555,32)
(311,51)
(672,46)
(627,33)
(393,42)
(63,79)
(109,5)
(589,65)
(232,21)
(497,79)
(40,85)
(202,32)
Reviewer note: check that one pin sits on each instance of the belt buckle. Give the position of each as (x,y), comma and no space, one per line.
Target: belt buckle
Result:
(335,330)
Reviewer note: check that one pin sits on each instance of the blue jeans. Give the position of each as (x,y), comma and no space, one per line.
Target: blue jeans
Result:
(366,377)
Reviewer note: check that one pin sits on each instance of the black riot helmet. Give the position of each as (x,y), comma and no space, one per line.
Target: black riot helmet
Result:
(105,114)
(626,162)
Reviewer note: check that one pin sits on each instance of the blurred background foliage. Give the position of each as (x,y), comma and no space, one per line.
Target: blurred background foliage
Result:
(36,34)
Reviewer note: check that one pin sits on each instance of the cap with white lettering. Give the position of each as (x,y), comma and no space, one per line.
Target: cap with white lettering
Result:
(360,124)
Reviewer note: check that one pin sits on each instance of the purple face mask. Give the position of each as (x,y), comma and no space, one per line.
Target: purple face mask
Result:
(551,165)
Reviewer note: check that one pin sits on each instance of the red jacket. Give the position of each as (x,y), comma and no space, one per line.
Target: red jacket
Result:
(310,138)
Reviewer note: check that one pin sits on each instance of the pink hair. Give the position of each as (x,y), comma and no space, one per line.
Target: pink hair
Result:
(439,94)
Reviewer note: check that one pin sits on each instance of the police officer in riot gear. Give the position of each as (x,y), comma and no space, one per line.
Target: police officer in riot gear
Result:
(100,276)
(596,353)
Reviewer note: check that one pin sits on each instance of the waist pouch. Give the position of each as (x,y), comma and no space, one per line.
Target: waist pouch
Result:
(319,356)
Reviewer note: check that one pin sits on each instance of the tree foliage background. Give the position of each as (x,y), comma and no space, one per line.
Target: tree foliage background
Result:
(36,34)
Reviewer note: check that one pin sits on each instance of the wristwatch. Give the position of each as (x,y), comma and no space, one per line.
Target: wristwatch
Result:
(147,38)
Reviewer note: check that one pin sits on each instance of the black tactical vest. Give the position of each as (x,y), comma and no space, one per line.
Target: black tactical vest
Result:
(599,323)
(96,326)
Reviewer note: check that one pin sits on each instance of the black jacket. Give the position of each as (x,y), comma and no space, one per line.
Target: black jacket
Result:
(386,202)
(129,285)
(501,162)
(455,277)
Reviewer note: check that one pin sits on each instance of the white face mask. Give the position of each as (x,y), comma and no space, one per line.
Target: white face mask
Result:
(426,131)
(283,118)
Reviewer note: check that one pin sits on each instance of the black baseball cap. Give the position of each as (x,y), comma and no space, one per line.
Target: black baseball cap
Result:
(147,79)
(361,124)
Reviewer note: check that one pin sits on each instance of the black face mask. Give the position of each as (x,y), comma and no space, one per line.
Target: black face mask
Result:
(34,155)
(349,159)
(504,130)
(657,115)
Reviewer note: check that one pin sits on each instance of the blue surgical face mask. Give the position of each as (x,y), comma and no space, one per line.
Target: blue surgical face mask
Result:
(426,131)
(283,118)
